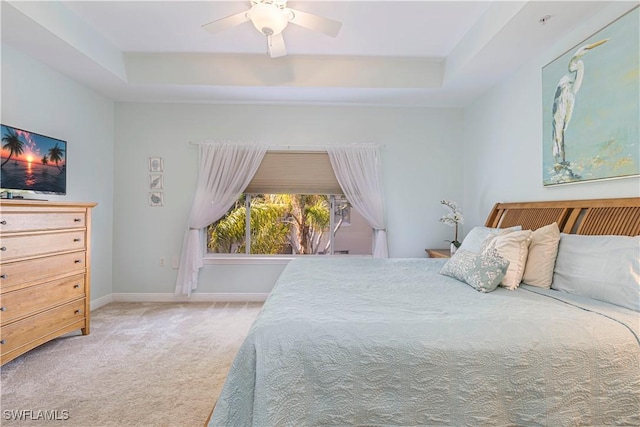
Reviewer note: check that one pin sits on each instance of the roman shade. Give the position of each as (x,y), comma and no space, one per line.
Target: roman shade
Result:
(294,172)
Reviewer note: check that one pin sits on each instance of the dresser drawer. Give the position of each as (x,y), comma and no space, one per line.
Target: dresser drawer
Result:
(13,274)
(31,221)
(26,301)
(21,246)
(33,328)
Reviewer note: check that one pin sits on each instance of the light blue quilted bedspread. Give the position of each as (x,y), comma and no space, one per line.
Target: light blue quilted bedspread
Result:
(368,342)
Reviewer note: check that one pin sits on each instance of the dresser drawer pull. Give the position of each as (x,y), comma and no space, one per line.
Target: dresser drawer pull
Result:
(1,341)
(76,286)
(4,248)
(78,311)
(3,276)
(77,219)
(3,308)
(76,239)
(3,222)
(78,261)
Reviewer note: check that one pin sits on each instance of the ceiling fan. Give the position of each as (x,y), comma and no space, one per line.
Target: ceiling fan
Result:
(271,17)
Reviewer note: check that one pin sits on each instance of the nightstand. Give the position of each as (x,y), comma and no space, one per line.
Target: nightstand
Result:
(438,253)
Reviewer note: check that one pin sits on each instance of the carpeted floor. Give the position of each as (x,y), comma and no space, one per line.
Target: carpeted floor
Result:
(144,364)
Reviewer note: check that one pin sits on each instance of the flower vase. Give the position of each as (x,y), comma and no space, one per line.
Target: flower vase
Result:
(454,248)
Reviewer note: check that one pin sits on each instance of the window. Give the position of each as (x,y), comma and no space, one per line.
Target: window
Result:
(293,205)
(294,224)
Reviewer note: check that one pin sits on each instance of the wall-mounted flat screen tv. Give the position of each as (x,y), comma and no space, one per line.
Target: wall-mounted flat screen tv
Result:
(31,162)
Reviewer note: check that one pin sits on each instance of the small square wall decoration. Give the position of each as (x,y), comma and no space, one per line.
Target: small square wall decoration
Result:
(591,107)
(156,198)
(155,182)
(156,164)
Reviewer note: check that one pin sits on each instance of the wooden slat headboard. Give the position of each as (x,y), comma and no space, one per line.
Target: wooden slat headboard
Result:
(593,217)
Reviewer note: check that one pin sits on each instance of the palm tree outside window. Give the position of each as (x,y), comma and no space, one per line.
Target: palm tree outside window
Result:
(290,224)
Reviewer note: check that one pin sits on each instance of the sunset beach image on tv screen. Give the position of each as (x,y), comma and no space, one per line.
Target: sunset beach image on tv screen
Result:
(34,162)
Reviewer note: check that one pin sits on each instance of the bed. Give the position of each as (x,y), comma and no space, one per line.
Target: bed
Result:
(373,342)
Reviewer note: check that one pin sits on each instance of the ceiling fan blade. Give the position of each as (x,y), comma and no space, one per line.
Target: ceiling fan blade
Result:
(275,46)
(228,22)
(316,23)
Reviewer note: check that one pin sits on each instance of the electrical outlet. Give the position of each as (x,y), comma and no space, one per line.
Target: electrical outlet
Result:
(162,262)
(175,262)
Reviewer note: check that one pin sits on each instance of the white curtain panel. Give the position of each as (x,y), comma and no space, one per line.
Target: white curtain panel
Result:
(226,168)
(359,172)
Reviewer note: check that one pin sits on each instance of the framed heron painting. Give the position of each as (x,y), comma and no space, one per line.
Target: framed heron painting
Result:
(591,107)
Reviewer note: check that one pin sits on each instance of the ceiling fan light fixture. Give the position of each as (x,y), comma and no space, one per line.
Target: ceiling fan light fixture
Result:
(268,19)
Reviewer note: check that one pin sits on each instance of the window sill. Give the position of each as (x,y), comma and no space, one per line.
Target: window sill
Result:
(246,259)
(264,259)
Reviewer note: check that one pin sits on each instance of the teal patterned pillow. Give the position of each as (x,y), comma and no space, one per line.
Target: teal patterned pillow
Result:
(483,272)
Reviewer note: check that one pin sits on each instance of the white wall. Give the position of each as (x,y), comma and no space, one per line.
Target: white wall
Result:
(39,99)
(503,138)
(421,148)
(427,156)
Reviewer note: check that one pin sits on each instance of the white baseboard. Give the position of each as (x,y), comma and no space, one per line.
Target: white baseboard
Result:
(211,297)
(99,302)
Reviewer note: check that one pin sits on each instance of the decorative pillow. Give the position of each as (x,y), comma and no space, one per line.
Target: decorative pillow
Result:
(483,272)
(605,268)
(473,241)
(513,246)
(542,256)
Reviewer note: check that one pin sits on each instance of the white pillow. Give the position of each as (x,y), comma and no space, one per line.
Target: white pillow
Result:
(473,241)
(605,268)
(514,247)
(542,256)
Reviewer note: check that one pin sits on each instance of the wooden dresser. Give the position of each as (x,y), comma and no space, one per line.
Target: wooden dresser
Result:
(44,272)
